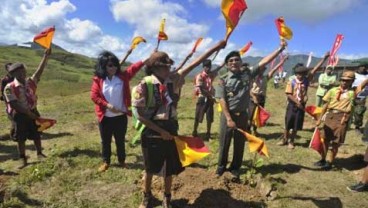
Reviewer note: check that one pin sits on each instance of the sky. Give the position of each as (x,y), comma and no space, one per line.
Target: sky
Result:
(90,26)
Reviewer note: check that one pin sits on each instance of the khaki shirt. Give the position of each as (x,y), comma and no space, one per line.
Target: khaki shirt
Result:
(292,88)
(259,85)
(160,110)
(29,88)
(235,89)
(346,99)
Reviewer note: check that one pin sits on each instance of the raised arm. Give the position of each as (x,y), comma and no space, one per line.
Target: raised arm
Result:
(185,71)
(184,61)
(125,57)
(37,75)
(318,65)
(272,71)
(361,87)
(273,55)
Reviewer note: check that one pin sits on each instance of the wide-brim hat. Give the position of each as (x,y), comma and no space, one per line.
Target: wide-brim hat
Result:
(159,58)
(15,66)
(348,75)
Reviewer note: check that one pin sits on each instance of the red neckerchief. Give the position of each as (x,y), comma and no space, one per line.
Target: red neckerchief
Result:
(163,89)
(340,92)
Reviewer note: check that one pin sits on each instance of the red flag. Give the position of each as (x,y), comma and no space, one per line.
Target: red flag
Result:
(44,38)
(263,116)
(335,47)
(232,11)
(196,44)
(44,123)
(316,142)
(284,31)
(245,48)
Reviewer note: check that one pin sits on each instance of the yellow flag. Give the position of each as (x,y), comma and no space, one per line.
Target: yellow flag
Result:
(255,144)
(256,120)
(190,149)
(232,11)
(161,34)
(284,31)
(44,38)
(136,41)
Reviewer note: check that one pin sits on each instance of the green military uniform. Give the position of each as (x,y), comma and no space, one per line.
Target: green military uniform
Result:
(325,82)
(234,89)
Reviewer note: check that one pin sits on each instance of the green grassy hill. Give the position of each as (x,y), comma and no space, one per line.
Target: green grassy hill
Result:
(69,177)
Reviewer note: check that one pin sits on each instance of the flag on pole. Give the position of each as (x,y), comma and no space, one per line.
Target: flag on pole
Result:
(309,61)
(313,111)
(196,44)
(44,38)
(245,48)
(255,144)
(317,141)
(137,40)
(190,149)
(44,123)
(232,11)
(260,116)
(284,31)
(332,61)
(161,34)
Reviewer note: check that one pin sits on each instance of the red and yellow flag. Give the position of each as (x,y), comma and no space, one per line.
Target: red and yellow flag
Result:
(313,111)
(44,38)
(161,34)
(190,149)
(260,116)
(232,11)
(245,48)
(199,40)
(316,142)
(284,31)
(44,123)
(255,144)
(137,40)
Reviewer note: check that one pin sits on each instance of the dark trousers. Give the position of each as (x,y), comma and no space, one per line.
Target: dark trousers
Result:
(359,110)
(110,126)
(226,134)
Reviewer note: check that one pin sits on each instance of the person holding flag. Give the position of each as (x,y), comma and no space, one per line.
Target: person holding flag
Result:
(205,96)
(326,81)
(336,113)
(110,92)
(258,90)
(296,92)
(233,93)
(155,104)
(21,99)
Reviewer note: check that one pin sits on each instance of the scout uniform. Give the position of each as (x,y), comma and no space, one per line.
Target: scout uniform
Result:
(160,156)
(204,104)
(234,89)
(24,95)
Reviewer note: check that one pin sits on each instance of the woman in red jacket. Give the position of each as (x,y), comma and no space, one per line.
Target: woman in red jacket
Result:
(110,92)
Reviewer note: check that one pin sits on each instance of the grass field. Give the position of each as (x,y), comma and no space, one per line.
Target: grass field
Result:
(69,177)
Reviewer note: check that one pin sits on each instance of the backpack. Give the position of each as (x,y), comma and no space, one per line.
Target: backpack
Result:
(139,126)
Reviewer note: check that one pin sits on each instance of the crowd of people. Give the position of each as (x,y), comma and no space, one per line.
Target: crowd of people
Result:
(155,99)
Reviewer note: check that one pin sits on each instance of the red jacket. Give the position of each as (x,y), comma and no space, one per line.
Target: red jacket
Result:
(99,99)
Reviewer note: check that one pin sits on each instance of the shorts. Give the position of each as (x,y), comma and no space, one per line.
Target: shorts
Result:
(161,156)
(204,106)
(333,130)
(24,128)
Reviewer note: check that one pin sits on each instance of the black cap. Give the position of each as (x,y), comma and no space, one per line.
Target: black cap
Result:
(15,66)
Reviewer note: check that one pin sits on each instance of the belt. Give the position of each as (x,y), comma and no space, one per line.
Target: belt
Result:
(237,113)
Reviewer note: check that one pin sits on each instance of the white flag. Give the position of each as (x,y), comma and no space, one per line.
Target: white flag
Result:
(309,59)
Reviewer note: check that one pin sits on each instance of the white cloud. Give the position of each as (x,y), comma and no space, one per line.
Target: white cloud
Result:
(352,56)
(310,11)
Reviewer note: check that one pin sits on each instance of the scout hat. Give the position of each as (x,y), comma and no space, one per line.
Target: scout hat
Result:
(158,59)
(347,75)
(15,66)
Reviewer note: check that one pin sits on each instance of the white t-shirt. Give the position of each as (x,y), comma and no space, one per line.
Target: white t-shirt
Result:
(113,93)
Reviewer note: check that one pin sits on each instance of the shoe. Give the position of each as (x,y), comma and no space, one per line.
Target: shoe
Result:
(220,171)
(146,201)
(235,176)
(281,143)
(291,145)
(41,155)
(359,187)
(320,163)
(166,201)
(103,167)
(208,136)
(194,133)
(327,166)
